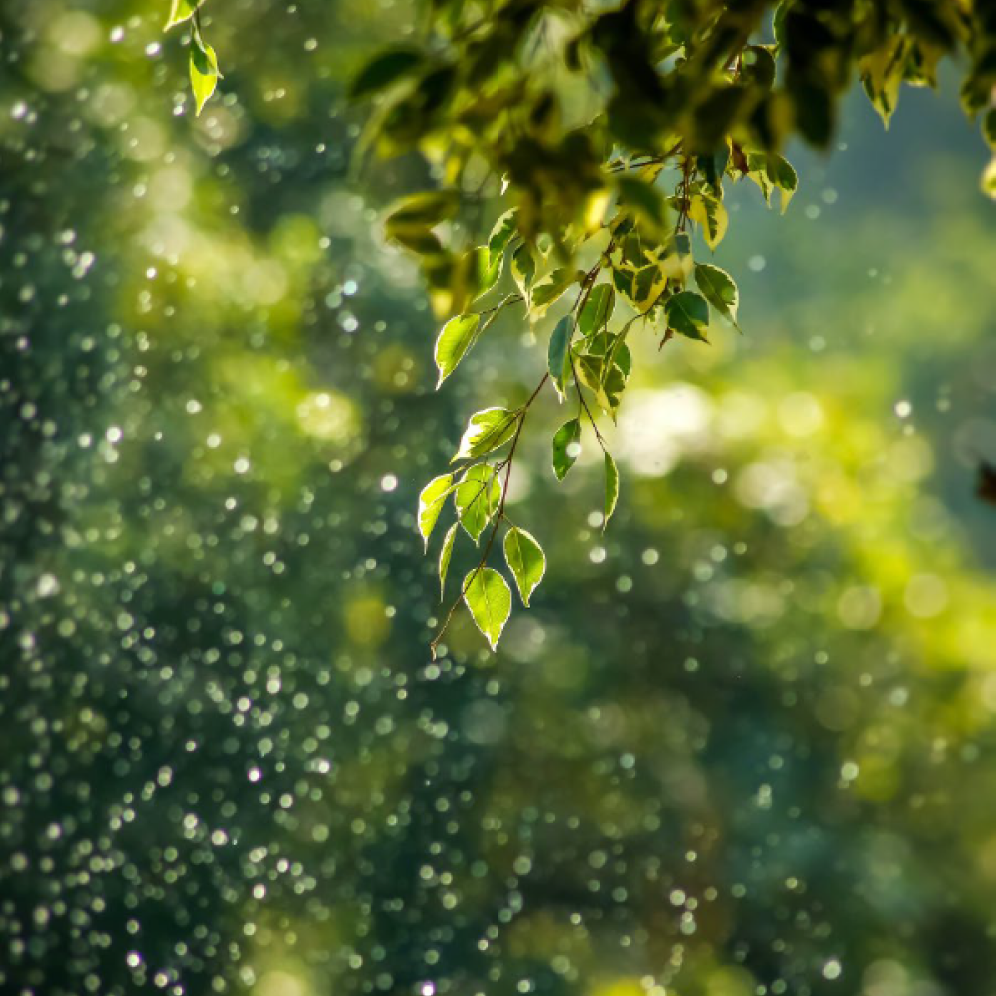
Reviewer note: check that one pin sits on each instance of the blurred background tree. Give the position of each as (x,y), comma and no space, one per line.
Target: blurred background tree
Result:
(741,745)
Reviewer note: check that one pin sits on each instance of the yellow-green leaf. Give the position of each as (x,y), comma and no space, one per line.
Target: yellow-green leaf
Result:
(486,431)
(477,499)
(444,558)
(525,560)
(430,504)
(597,310)
(611,488)
(709,212)
(490,602)
(204,72)
(180,11)
(456,338)
(523,268)
(546,291)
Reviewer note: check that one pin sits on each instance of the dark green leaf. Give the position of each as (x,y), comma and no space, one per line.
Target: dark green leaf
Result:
(383,70)
(719,290)
(688,314)
(557,359)
(644,202)
(423,209)
(566,447)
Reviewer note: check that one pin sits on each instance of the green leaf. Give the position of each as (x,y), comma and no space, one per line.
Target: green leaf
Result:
(487,269)
(503,231)
(770,170)
(677,261)
(709,212)
(605,371)
(444,558)
(611,488)
(456,338)
(424,209)
(988,180)
(783,175)
(882,74)
(486,431)
(383,70)
(477,498)
(758,67)
(549,289)
(719,290)
(566,447)
(490,602)
(180,11)
(989,127)
(430,504)
(688,314)
(525,560)
(597,310)
(645,204)
(204,72)
(523,268)
(417,238)
(556,357)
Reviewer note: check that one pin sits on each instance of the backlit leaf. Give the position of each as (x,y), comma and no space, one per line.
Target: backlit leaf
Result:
(445,555)
(204,72)
(710,213)
(546,291)
(566,447)
(430,504)
(597,309)
(611,487)
(455,339)
(502,232)
(523,268)
(490,602)
(525,560)
(180,11)
(477,498)
(486,431)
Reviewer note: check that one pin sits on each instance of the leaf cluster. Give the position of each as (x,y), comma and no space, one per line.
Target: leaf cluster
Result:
(609,135)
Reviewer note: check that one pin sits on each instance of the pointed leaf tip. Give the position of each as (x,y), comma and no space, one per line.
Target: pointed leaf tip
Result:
(490,602)
(611,488)
(526,561)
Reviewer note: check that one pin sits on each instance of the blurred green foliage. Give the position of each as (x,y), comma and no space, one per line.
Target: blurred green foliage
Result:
(741,744)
